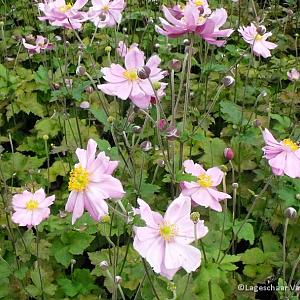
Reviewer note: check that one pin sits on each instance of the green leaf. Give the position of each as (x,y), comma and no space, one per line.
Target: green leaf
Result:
(47,126)
(232,112)
(253,256)
(246,232)
(214,151)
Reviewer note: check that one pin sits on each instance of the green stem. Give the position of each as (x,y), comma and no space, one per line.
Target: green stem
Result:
(284,248)
(149,278)
(38,261)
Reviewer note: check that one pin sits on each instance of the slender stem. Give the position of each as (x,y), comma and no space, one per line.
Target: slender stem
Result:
(149,278)
(48,163)
(139,288)
(249,213)
(294,270)
(38,261)
(186,285)
(224,218)
(284,248)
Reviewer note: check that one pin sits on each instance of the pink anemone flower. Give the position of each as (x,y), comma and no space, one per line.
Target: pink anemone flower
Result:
(62,14)
(194,21)
(204,191)
(91,182)
(202,5)
(30,209)
(41,44)
(122,48)
(293,75)
(258,40)
(106,13)
(165,241)
(283,157)
(125,83)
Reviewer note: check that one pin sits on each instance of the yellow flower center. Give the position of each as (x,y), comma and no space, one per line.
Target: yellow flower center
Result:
(289,143)
(199,2)
(205,180)
(79,179)
(258,37)
(168,232)
(66,7)
(105,8)
(130,75)
(32,204)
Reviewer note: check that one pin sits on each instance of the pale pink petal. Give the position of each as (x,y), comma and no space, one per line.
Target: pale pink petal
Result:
(193,168)
(216,175)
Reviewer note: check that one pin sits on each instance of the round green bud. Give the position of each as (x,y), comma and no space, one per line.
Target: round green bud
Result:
(107,49)
(195,216)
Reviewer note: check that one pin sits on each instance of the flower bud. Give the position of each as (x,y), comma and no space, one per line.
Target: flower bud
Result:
(136,129)
(111,119)
(297,196)
(162,124)
(143,72)
(73,261)
(256,123)
(45,137)
(57,38)
(146,146)
(107,49)
(235,185)
(228,81)
(157,46)
(84,105)
(185,42)
(261,30)
(172,133)
(103,265)
(228,153)
(195,217)
(81,70)
(290,213)
(175,65)
(56,86)
(89,89)
(68,82)
(118,279)
(62,214)
(161,163)
(102,16)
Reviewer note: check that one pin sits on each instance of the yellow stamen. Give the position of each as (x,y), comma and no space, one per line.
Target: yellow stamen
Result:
(205,180)
(105,8)
(289,143)
(32,204)
(66,7)
(199,2)
(168,232)
(130,74)
(258,37)
(79,179)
